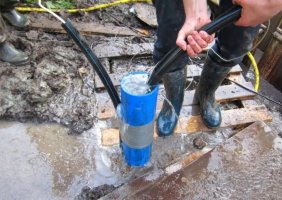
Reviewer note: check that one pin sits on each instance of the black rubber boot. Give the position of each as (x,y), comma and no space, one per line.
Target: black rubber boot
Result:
(211,78)
(174,83)
(16,19)
(9,54)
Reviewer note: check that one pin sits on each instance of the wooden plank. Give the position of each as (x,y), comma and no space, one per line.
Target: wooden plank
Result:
(231,118)
(110,137)
(146,181)
(114,77)
(239,78)
(106,114)
(192,124)
(195,70)
(111,50)
(223,94)
(84,28)
(105,107)
(249,102)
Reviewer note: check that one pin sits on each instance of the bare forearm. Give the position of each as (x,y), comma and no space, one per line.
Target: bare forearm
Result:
(255,12)
(195,9)
(275,6)
(189,39)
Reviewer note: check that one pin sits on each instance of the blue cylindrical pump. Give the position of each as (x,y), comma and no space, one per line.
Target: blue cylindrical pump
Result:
(137,110)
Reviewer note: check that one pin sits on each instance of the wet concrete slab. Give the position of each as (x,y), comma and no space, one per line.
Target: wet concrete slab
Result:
(246,166)
(43,162)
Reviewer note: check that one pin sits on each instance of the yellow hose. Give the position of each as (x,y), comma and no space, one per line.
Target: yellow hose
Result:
(96,7)
(253,61)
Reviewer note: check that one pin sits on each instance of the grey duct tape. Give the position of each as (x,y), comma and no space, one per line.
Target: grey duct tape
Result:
(137,136)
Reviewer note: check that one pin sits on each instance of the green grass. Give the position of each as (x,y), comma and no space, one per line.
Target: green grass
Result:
(54,3)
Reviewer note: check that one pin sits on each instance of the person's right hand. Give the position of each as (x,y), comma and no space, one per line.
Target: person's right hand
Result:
(255,12)
(192,41)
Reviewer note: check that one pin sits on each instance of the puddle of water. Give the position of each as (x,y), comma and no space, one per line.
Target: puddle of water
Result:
(40,161)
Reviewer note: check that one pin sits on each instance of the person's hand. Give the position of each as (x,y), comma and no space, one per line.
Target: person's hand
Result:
(190,40)
(255,12)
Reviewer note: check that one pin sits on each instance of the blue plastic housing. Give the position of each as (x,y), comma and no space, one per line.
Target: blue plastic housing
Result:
(138,110)
(136,157)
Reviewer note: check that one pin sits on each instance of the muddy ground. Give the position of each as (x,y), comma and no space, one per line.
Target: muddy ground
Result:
(58,86)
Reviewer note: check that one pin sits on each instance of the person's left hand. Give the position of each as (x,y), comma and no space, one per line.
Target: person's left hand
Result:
(192,41)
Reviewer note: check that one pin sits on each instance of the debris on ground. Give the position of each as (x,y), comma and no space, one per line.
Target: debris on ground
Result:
(95,193)
(146,13)
(199,142)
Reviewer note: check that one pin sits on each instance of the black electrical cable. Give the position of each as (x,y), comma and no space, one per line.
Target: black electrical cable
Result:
(257,93)
(164,64)
(92,58)
(244,87)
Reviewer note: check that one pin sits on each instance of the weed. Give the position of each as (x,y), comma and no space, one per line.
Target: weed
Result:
(54,3)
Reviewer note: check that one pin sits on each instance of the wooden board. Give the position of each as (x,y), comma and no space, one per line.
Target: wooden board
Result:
(239,78)
(192,71)
(84,28)
(111,50)
(230,118)
(249,102)
(192,124)
(195,70)
(110,137)
(114,77)
(225,93)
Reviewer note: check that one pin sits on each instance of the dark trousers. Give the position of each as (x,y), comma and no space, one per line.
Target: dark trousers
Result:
(5,5)
(232,41)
